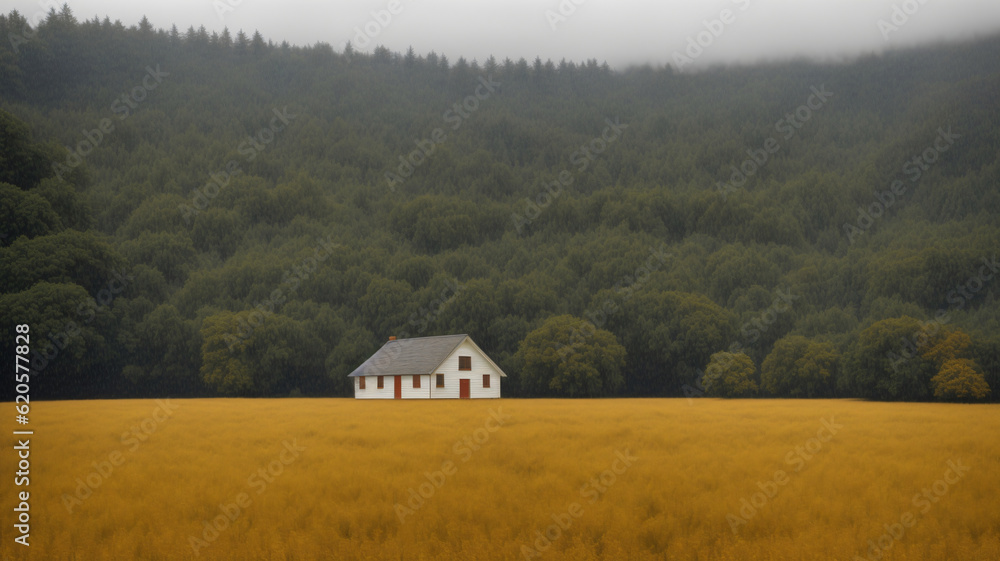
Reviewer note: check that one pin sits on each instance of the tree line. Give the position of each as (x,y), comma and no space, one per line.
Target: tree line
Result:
(165,233)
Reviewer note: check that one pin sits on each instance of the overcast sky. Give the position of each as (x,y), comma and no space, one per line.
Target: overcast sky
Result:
(620,32)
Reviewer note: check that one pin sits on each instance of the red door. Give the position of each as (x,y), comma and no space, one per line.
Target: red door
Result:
(463,389)
(399,386)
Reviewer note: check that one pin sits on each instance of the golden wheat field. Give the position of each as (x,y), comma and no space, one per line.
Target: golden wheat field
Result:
(304,479)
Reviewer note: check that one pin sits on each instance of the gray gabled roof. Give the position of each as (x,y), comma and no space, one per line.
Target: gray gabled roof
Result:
(420,355)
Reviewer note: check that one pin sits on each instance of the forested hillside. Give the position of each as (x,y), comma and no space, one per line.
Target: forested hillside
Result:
(186,213)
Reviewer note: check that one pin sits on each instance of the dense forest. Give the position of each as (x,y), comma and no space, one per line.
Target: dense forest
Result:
(196,214)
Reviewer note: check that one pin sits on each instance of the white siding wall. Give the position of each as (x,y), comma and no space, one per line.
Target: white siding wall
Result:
(420,393)
(371,390)
(492,392)
(452,375)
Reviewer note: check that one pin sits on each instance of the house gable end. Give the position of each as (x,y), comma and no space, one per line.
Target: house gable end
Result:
(452,354)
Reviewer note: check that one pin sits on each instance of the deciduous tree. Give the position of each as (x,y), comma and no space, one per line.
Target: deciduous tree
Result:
(568,356)
(730,375)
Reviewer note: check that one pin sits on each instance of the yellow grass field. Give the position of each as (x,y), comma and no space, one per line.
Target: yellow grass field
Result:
(304,479)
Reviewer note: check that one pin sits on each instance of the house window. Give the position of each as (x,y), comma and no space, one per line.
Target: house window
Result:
(380,385)
(361,383)
(465,363)
(440,380)
(486,380)
(416,382)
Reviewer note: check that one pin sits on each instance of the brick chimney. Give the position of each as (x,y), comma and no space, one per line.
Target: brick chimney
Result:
(392,337)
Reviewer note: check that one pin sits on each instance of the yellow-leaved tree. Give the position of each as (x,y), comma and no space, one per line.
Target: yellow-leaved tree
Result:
(958,379)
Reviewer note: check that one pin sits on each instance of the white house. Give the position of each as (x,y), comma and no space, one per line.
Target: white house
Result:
(443,367)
